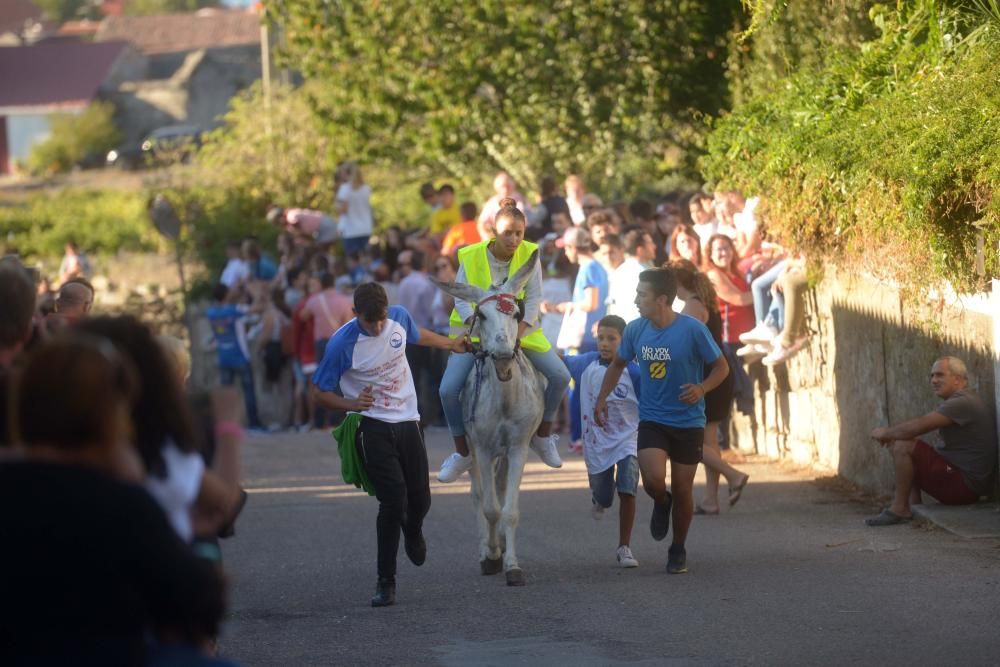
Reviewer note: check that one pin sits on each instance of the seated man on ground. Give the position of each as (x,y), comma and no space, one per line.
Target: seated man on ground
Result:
(959,471)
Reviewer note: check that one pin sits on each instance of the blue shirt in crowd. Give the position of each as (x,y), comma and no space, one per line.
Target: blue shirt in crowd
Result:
(669,358)
(592,275)
(222,319)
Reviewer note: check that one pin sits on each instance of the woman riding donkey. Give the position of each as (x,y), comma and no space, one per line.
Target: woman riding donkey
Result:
(486,264)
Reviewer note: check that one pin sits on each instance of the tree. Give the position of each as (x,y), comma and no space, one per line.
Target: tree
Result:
(529,87)
(74,138)
(65,10)
(154,7)
(884,153)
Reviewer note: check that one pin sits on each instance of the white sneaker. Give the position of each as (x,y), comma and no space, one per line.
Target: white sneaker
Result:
(751,349)
(753,352)
(762,333)
(596,511)
(780,354)
(453,467)
(547,450)
(625,557)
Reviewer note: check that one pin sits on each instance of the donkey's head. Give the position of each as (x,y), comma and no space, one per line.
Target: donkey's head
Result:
(497,315)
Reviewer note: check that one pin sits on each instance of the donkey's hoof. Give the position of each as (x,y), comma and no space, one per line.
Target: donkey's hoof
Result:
(491,565)
(515,577)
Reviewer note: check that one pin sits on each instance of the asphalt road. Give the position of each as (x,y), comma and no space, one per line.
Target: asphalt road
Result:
(789,576)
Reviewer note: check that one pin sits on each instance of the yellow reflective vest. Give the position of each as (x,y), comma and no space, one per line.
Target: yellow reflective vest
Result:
(477,272)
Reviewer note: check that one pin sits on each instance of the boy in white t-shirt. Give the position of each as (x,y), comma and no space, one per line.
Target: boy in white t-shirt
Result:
(366,360)
(610,451)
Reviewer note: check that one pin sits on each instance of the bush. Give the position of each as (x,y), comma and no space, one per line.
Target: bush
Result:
(100,221)
(887,157)
(75,138)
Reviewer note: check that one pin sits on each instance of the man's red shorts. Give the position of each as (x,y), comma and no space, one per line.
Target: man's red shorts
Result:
(933,474)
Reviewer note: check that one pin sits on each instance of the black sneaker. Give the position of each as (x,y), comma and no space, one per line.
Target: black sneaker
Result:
(676,559)
(659,523)
(416,549)
(385,593)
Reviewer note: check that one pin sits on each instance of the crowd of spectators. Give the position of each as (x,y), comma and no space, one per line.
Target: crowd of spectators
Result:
(592,253)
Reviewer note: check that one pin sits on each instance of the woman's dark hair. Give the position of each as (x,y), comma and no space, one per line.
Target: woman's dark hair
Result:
(371,302)
(696,282)
(66,394)
(160,413)
(686,230)
(733,267)
(509,210)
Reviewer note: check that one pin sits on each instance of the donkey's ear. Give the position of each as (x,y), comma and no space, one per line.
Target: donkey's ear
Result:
(469,293)
(516,282)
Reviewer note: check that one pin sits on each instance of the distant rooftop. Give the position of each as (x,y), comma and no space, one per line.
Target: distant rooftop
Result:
(15,14)
(55,73)
(182,32)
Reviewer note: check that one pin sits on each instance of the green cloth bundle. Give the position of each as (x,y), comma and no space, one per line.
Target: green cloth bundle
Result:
(351,467)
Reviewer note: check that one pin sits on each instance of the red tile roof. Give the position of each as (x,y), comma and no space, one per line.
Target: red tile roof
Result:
(55,73)
(183,32)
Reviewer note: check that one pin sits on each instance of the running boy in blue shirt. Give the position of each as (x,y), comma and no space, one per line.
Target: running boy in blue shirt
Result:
(610,452)
(672,351)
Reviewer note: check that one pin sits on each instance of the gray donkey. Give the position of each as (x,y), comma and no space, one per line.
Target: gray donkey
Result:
(502,406)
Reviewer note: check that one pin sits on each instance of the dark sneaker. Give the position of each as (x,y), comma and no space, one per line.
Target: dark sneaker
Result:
(385,593)
(416,549)
(659,523)
(676,560)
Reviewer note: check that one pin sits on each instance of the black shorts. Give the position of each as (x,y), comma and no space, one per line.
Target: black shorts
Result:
(719,401)
(682,445)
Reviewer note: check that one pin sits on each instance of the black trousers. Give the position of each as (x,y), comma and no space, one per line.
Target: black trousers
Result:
(396,462)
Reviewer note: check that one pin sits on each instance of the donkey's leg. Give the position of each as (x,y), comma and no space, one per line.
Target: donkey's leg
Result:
(511,514)
(489,547)
(477,507)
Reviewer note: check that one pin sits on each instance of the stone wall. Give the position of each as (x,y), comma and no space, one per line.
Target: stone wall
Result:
(867,364)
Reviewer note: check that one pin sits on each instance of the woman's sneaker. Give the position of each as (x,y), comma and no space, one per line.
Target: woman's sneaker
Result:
(547,450)
(625,557)
(762,333)
(453,467)
(752,352)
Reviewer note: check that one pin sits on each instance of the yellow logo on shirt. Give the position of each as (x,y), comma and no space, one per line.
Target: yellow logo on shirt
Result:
(658,370)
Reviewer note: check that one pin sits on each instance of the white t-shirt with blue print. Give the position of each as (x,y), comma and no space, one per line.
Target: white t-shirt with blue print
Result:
(354,360)
(669,358)
(604,446)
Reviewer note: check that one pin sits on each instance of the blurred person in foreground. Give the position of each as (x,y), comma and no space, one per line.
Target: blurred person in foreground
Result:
(17,309)
(101,577)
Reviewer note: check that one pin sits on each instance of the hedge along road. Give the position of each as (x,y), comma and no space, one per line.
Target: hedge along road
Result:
(789,576)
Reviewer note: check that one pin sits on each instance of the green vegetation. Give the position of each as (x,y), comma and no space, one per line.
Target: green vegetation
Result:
(101,222)
(66,10)
(611,89)
(88,135)
(883,154)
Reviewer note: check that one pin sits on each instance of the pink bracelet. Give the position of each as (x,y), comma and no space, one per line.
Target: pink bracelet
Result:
(228,428)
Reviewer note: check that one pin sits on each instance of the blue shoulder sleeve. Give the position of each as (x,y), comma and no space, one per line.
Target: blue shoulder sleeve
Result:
(577,364)
(336,360)
(401,315)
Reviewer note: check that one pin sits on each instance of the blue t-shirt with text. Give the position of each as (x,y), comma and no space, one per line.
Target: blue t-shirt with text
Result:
(669,358)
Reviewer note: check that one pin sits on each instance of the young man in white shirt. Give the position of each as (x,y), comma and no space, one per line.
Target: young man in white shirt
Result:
(366,358)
